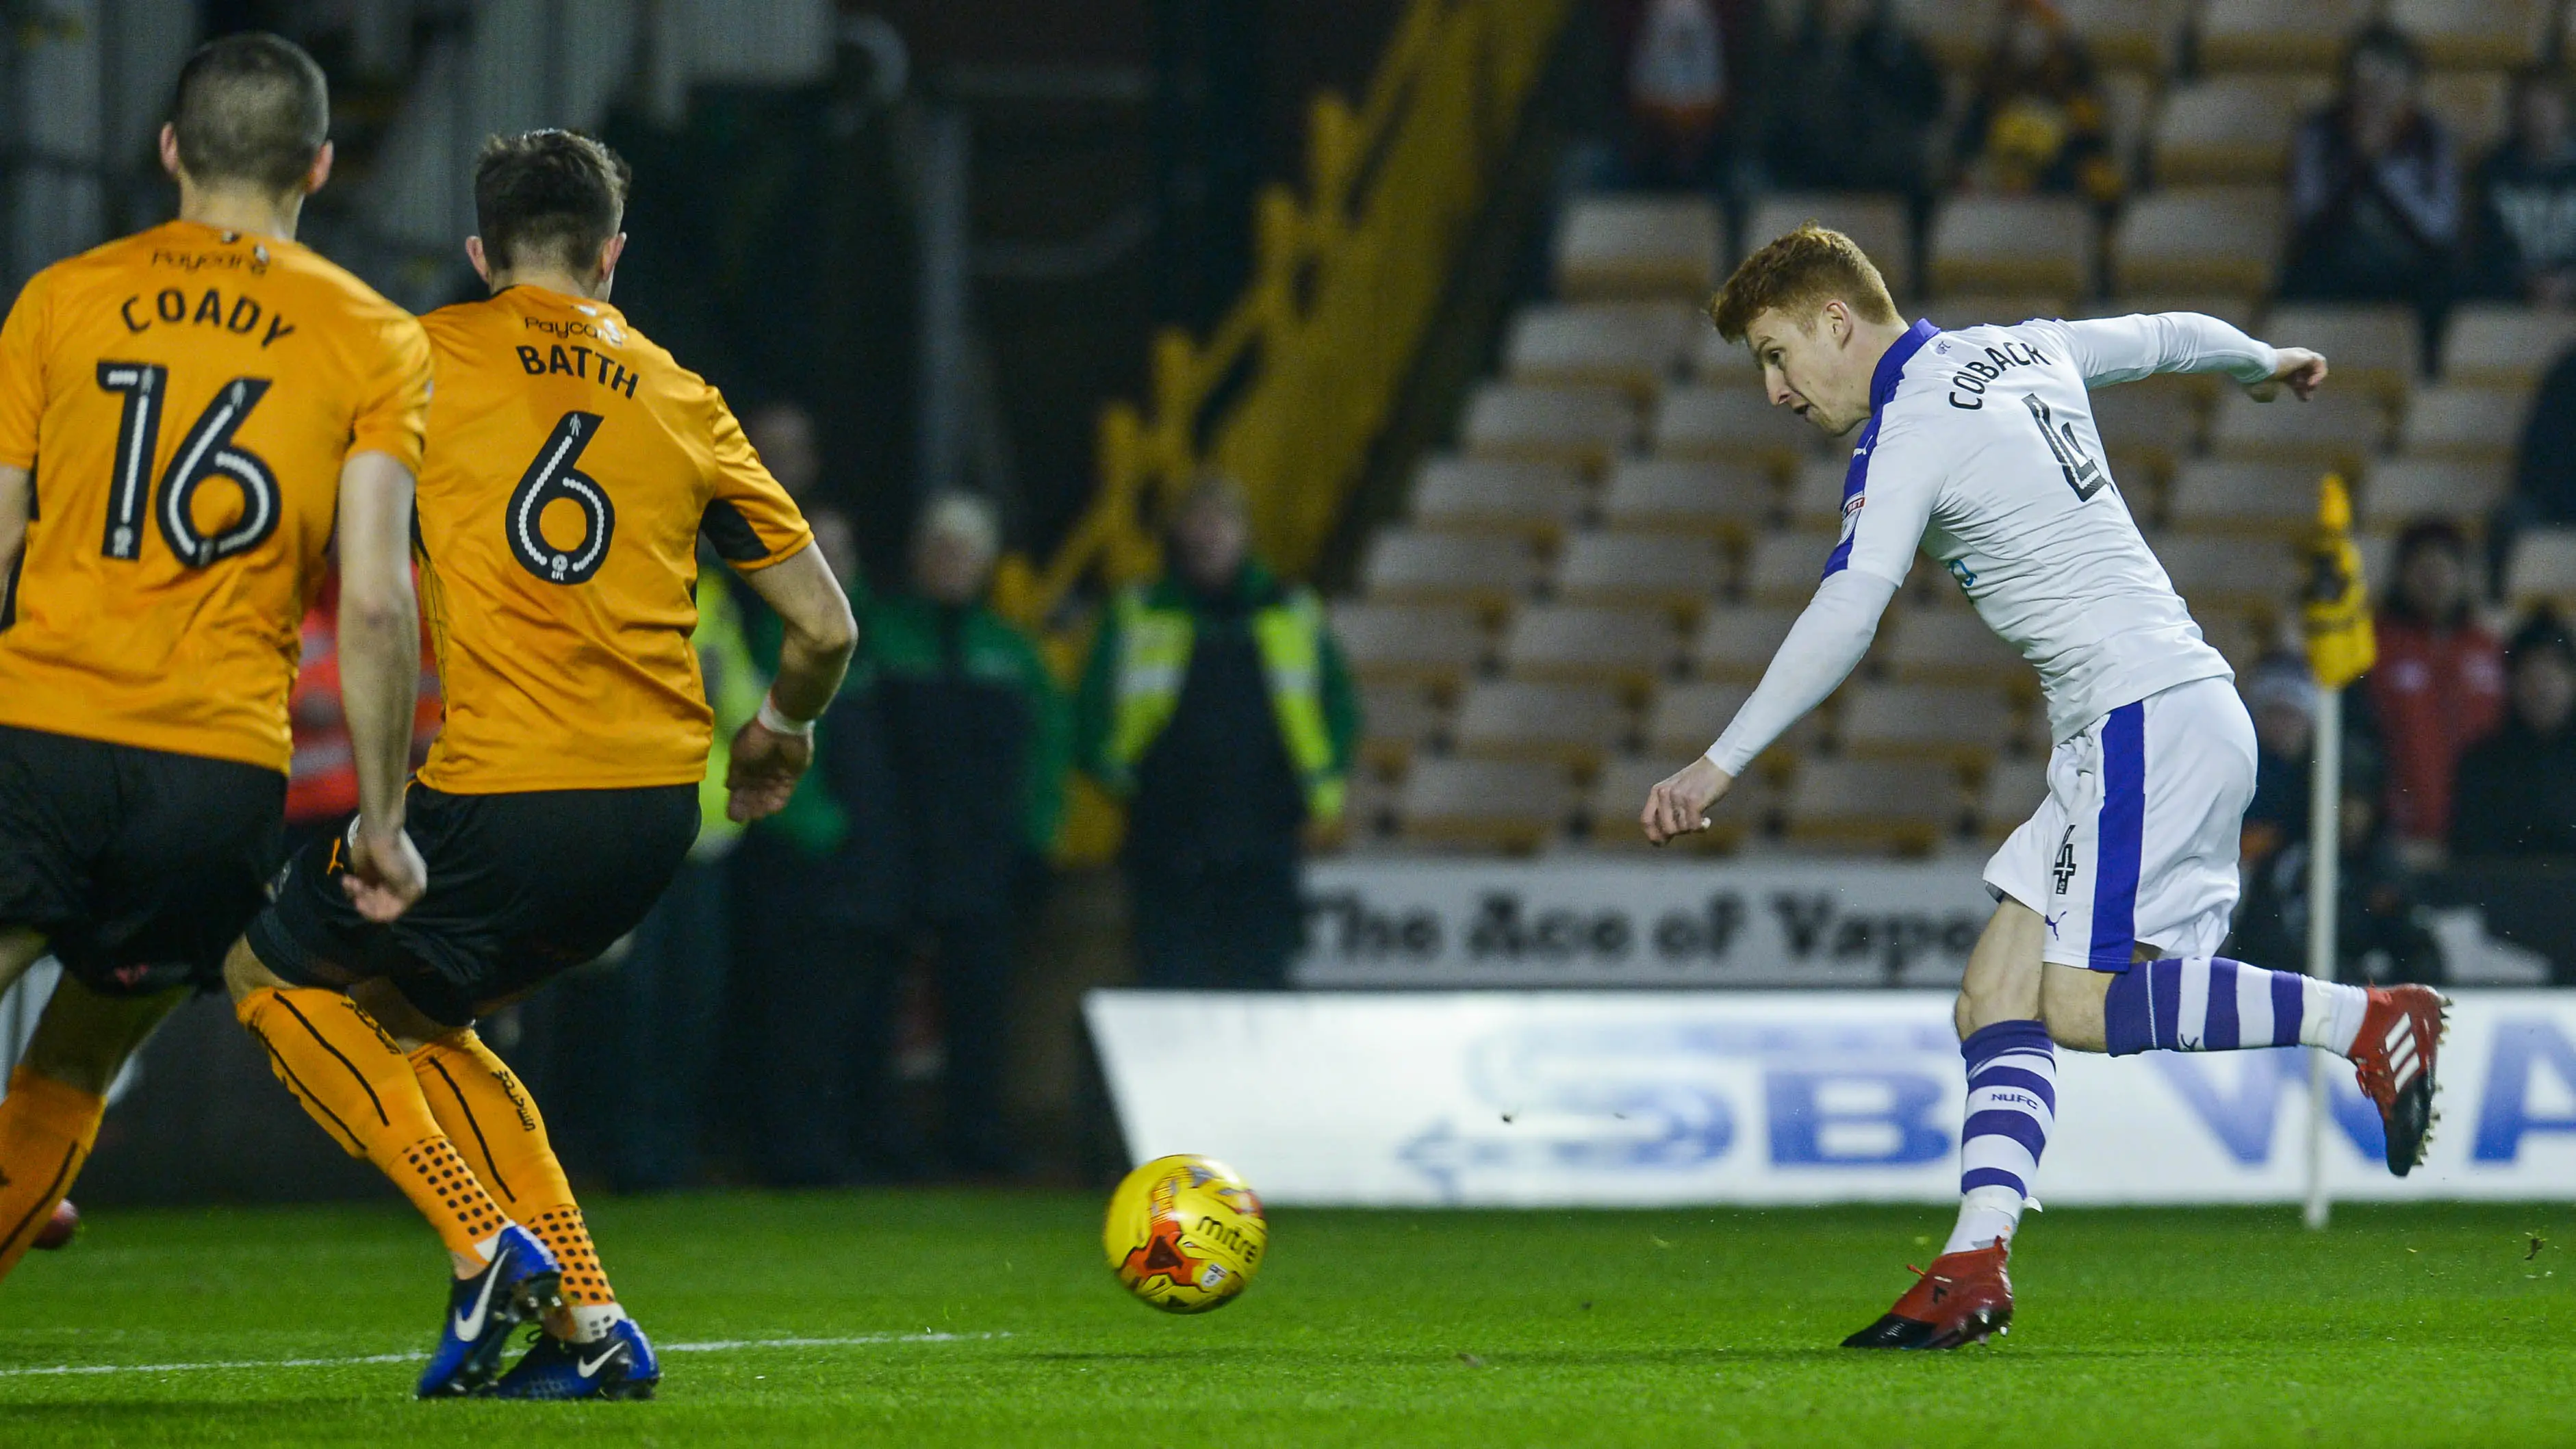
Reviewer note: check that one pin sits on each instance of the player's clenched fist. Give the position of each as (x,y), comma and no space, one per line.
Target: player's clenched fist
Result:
(2298,369)
(763,771)
(1680,804)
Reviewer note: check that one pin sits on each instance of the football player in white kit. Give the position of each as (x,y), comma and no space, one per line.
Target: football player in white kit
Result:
(1978,447)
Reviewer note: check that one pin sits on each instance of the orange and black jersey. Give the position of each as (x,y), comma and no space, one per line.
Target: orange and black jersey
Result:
(185,398)
(572,467)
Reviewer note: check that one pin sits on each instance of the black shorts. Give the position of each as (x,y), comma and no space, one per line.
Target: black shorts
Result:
(139,866)
(521,888)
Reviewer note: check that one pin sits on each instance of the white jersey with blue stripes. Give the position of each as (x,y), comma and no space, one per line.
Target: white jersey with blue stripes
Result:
(1982,452)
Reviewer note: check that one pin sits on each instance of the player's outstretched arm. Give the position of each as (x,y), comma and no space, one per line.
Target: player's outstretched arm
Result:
(771,751)
(2108,350)
(379,676)
(1823,648)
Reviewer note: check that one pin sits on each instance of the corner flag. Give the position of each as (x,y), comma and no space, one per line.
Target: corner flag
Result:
(2341,645)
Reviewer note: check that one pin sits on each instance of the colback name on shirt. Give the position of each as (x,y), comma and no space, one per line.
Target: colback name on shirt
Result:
(1973,378)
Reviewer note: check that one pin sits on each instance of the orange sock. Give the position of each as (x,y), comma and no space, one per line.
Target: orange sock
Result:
(354,1081)
(46,1130)
(495,1123)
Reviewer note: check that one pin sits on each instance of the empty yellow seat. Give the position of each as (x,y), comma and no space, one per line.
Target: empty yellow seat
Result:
(2465,33)
(1732,500)
(2366,345)
(1908,805)
(2014,245)
(1507,495)
(1583,426)
(1628,648)
(1730,422)
(1631,345)
(2298,35)
(1681,572)
(2331,430)
(2233,129)
(1433,644)
(1639,246)
(1487,570)
(1738,642)
(2466,424)
(1490,804)
(2224,239)
(2402,490)
(2221,496)
(1528,719)
(1879,222)
(2543,569)
(2503,344)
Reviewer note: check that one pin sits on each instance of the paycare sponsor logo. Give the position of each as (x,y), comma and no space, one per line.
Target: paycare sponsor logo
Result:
(600,328)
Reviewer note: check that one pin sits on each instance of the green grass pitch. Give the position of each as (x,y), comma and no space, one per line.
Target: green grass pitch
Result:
(988,1319)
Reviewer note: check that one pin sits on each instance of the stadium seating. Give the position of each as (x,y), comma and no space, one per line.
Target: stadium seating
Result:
(1724,500)
(2463,424)
(1730,422)
(1619,795)
(2126,35)
(1950,646)
(2543,568)
(2402,490)
(1580,643)
(2013,244)
(1639,246)
(1584,426)
(1959,33)
(2463,33)
(1398,719)
(1677,571)
(1528,719)
(2010,794)
(2226,574)
(2150,427)
(2504,346)
(1434,644)
(1538,501)
(1738,643)
(2199,238)
(2374,347)
(1879,223)
(1906,805)
(1685,717)
(1815,498)
(2232,129)
(1992,309)
(2278,34)
(2334,429)
(2472,105)
(1487,570)
(1782,568)
(2261,499)
(1630,345)
(1483,803)
(1961,724)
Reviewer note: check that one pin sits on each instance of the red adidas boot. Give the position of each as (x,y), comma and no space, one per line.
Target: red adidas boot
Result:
(2401,1034)
(1965,1298)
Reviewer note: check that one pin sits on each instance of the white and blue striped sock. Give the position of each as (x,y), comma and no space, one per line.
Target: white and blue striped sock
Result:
(2212,1004)
(2012,1105)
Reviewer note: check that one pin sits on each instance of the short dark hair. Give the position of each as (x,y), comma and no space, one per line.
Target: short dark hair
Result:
(547,196)
(251,108)
(1798,274)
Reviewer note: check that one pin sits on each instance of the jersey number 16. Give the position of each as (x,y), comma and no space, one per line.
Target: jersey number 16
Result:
(207,453)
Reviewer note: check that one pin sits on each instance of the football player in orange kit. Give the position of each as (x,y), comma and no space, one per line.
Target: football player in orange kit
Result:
(186,418)
(572,470)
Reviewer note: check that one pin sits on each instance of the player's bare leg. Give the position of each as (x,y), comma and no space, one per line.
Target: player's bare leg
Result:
(58,1094)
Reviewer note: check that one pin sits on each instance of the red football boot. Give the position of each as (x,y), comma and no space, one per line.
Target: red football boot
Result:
(1965,1298)
(2400,1036)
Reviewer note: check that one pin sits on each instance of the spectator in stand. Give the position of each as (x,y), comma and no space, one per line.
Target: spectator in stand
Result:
(2516,794)
(2544,473)
(950,755)
(2038,122)
(2281,693)
(2374,187)
(796,940)
(1691,75)
(1856,105)
(322,781)
(2525,245)
(2378,938)
(1216,704)
(654,1004)
(2438,687)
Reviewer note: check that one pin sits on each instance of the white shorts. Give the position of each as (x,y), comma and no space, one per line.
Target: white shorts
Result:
(2136,842)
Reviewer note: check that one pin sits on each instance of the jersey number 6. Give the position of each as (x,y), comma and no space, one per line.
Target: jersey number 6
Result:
(207,452)
(555,473)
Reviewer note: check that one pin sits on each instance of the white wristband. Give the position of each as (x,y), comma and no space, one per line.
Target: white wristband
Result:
(777,721)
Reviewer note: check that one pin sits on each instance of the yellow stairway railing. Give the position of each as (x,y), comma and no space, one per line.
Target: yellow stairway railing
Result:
(1346,279)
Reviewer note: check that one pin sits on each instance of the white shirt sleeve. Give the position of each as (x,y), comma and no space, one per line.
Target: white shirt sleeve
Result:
(2125,349)
(1823,648)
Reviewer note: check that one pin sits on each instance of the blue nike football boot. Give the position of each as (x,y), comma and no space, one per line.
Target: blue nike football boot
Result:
(619,1366)
(519,1283)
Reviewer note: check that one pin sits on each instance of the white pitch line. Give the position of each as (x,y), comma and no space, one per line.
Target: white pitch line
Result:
(722,1345)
